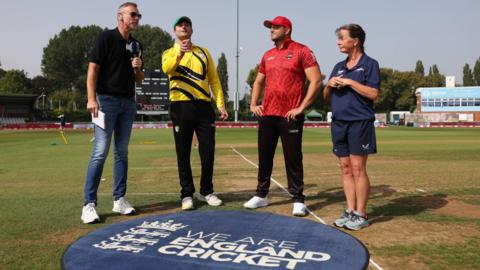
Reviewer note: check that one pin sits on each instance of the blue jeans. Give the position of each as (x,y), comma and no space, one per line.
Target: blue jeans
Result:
(119,116)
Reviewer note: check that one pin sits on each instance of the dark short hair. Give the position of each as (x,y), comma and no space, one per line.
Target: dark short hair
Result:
(355,31)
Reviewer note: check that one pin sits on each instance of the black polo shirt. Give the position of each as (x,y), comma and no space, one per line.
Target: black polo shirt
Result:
(113,53)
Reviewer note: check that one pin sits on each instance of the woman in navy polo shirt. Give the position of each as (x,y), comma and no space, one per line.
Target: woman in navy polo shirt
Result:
(352,88)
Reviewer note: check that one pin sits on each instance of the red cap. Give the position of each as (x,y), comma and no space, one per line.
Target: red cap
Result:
(279,20)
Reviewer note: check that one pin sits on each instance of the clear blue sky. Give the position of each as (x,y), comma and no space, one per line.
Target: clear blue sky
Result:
(399,33)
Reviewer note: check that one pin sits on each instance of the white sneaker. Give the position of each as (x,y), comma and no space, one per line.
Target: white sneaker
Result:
(211,199)
(299,209)
(187,203)
(256,202)
(89,214)
(123,207)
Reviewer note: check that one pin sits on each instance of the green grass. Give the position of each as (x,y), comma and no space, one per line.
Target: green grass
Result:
(441,256)
(41,185)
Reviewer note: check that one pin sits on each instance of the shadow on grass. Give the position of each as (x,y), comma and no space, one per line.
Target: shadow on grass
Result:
(244,195)
(406,206)
(146,209)
(336,195)
(396,207)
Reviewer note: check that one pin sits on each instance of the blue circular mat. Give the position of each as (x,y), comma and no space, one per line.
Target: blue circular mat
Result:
(217,240)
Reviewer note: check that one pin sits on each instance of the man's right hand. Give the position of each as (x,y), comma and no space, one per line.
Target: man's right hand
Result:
(92,106)
(257,110)
(185,45)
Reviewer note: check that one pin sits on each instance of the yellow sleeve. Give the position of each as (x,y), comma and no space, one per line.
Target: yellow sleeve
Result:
(214,81)
(169,61)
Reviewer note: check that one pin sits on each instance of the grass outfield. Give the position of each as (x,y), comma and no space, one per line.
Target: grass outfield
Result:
(424,202)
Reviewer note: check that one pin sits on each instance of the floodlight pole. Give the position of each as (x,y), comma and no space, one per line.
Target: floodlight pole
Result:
(237,56)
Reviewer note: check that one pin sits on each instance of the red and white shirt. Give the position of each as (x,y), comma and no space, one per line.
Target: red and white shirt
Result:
(284,70)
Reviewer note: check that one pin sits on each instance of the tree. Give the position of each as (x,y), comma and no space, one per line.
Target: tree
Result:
(476,72)
(65,58)
(41,85)
(154,41)
(467,76)
(2,71)
(244,107)
(434,78)
(223,74)
(397,90)
(15,82)
(419,68)
(252,75)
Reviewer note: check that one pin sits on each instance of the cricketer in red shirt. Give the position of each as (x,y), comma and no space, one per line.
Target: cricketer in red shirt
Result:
(282,73)
(284,70)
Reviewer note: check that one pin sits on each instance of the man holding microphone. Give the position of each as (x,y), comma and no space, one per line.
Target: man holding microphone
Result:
(114,66)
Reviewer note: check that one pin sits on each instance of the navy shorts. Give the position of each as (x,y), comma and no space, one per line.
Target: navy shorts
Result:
(353,138)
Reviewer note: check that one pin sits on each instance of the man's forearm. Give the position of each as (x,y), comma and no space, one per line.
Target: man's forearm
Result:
(312,92)
(92,77)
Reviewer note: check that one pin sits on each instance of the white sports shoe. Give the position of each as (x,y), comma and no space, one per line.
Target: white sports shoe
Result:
(256,202)
(89,214)
(299,209)
(187,203)
(123,207)
(211,199)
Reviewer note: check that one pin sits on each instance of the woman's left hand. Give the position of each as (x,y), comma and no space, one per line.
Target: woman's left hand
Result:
(342,82)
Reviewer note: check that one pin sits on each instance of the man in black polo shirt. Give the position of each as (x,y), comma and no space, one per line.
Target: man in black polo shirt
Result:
(115,65)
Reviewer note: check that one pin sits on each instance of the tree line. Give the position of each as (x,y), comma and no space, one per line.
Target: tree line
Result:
(65,61)
(397,89)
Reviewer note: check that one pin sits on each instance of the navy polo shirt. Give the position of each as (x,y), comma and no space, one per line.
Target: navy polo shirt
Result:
(347,104)
(113,53)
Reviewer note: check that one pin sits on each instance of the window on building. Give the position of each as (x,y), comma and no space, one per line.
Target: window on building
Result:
(471,102)
(457,102)
(451,102)
(444,102)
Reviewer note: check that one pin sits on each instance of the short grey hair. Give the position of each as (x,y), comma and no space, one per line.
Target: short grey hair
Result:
(126,4)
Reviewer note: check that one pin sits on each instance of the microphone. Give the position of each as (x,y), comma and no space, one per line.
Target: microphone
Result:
(135,52)
(135,49)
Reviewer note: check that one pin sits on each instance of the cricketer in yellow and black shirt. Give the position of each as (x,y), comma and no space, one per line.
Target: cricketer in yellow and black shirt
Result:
(193,76)
(193,80)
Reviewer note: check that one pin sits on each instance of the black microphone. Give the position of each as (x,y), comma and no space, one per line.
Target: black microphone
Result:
(135,52)
(135,49)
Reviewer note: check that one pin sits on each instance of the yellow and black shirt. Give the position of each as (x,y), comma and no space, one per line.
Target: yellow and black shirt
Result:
(193,76)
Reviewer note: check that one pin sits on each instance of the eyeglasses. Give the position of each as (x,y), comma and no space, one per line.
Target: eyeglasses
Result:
(135,14)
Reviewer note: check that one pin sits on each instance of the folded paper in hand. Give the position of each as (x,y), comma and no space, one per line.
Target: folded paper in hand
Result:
(99,120)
